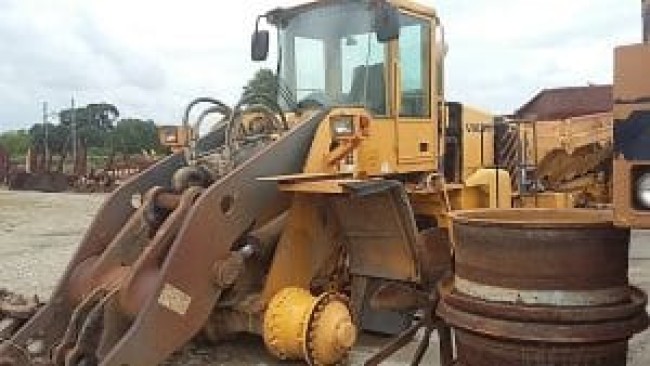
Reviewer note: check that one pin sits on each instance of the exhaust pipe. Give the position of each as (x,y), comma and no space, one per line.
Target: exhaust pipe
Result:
(646,20)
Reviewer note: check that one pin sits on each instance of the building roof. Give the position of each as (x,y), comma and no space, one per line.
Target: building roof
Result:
(561,103)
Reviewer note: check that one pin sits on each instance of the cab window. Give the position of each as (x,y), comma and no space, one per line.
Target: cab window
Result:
(414,53)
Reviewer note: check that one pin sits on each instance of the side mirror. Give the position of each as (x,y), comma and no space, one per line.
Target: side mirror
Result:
(260,45)
(386,23)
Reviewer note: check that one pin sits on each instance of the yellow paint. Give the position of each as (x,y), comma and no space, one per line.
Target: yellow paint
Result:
(547,200)
(305,245)
(174,137)
(496,184)
(631,89)
(299,326)
(395,145)
(478,140)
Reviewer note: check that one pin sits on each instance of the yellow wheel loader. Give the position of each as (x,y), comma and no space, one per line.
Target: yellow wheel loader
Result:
(305,220)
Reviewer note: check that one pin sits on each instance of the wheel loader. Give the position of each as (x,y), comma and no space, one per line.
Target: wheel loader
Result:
(304,220)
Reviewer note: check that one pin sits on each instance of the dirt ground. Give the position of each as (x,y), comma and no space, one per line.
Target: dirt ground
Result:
(39,232)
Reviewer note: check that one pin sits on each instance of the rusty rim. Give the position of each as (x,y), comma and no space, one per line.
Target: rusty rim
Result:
(477,350)
(535,218)
(544,314)
(543,332)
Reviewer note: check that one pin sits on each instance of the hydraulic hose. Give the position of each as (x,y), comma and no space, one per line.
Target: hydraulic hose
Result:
(218,106)
(252,99)
(188,109)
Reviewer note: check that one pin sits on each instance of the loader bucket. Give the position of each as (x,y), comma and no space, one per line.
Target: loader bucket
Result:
(145,280)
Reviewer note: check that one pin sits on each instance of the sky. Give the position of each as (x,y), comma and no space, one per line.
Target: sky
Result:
(150,58)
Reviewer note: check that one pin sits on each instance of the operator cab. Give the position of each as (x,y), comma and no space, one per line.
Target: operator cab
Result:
(383,56)
(332,56)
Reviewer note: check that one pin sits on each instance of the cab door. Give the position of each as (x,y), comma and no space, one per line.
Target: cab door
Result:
(416,127)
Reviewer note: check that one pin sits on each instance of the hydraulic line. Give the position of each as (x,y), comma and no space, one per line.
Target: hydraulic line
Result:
(188,109)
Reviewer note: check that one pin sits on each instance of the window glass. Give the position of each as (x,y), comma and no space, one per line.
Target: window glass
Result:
(330,55)
(363,59)
(414,66)
(310,77)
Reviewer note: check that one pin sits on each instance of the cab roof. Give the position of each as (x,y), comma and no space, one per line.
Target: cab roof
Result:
(408,5)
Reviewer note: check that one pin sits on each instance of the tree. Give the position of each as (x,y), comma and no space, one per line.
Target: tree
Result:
(58,143)
(132,136)
(16,142)
(263,82)
(92,124)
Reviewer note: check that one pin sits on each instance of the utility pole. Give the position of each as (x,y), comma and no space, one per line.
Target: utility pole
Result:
(74,137)
(46,142)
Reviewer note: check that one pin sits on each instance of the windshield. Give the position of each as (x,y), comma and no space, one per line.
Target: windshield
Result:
(330,55)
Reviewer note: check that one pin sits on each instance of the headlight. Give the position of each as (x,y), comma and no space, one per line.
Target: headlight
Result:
(169,135)
(170,138)
(342,126)
(643,190)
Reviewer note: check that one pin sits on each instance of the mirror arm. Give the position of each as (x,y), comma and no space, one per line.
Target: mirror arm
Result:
(257,22)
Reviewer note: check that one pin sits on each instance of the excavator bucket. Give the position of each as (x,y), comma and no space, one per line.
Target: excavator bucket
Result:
(145,279)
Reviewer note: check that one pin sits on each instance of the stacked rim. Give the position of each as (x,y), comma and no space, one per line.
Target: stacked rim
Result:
(541,287)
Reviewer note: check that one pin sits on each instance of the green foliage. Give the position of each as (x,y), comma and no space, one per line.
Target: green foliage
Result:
(16,142)
(92,122)
(97,132)
(58,138)
(263,82)
(132,136)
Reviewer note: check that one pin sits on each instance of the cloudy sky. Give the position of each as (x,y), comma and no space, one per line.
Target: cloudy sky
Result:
(152,57)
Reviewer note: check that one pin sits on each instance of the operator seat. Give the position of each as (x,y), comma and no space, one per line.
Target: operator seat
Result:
(375,98)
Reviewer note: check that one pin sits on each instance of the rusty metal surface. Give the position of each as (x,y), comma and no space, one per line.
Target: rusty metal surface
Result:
(216,221)
(434,255)
(15,310)
(541,287)
(110,219)
(39,181)
(535,218)
(545,314)
(532,330)
(377,223)
(475,350)
(152,269)
(428,322)
(546,257)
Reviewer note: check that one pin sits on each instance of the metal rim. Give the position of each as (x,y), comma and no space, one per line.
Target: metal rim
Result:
(544,314)
(535,218)
(539,297)
(543,332)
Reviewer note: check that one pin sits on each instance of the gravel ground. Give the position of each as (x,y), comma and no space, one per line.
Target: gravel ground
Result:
(39,232)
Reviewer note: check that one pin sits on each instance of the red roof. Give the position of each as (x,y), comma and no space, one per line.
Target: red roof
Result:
(561,103)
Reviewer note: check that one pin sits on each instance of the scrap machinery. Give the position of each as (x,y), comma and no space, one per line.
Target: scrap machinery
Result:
(304,220)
